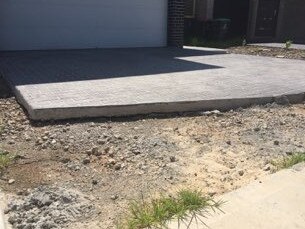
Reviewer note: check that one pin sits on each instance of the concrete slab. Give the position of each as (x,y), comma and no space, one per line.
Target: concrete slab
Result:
(280,45)
(118,82)
(274,202)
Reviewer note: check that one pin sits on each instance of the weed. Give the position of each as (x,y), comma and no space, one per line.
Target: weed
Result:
(156,213)
(244,43)
(288,44)
(222,44)
(289,161)
(5,159)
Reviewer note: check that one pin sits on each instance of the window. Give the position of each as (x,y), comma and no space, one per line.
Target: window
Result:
(190,8)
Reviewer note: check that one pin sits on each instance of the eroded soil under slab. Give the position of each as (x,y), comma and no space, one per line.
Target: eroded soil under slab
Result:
(114,161)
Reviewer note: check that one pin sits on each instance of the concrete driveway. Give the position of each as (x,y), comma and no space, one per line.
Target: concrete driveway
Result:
(118,82)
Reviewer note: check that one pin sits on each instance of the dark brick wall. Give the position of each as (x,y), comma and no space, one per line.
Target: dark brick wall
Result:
(175,23)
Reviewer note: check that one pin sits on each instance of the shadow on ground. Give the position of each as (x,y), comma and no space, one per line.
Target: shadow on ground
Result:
(5,91)
(39,67)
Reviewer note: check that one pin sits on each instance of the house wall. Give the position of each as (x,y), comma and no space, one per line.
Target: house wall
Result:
(235,10)
(175,23)
(204,10)
(291,24)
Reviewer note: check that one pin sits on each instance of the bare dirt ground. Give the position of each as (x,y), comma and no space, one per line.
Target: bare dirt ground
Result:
(267,51)
(110,162)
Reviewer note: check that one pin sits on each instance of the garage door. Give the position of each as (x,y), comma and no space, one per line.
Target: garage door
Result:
(74,24)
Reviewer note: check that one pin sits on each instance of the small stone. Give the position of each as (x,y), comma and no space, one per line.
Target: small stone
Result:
(267,168)
(94,182)
(66,148)
(88,152)
(172,159)
(117,167)
(65,160)
(107,150)
(95,151)
(276,142)
(232,166)
(119,137)
(6,211)
(13,219)
(136,151)
(216,112)
(11,181)
(212,193)
(111,161)
(86,161)
(111,154)
(256,129)
(11,142)
(101,141)
(241,172)
(229,142)
(208,113)
(23,192)
(114,197)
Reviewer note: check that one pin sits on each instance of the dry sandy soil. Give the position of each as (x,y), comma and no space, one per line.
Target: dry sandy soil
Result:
(267,51)
(110,162)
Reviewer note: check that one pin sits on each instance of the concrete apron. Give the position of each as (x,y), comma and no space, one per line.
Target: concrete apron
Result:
(276,201)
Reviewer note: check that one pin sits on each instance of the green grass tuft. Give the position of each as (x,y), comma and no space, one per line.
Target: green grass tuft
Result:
(157,212)
(5,160)
(289,161)
(288,44)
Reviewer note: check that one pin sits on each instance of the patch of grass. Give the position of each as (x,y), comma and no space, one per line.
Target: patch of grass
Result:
(5,159)
(288,44)
(156,213)
(1,126)
(222,44)
(289,161)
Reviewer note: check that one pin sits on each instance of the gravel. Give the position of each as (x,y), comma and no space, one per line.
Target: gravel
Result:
(48,207)
(267,51)
(118,160)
